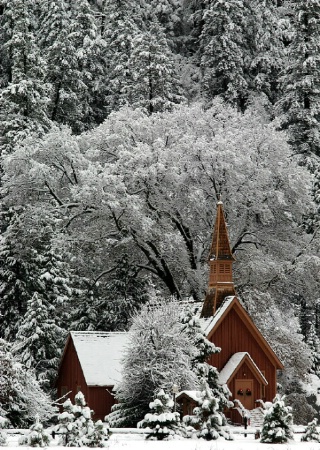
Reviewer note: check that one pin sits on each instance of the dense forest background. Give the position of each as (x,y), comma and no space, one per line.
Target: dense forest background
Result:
(120,124)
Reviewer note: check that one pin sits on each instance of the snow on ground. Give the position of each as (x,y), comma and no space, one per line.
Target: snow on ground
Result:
(137,442)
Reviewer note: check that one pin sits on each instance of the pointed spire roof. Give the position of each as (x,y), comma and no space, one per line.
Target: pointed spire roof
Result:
(220,283)
(220,246)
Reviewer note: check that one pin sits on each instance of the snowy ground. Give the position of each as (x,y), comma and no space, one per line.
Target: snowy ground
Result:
(137,442)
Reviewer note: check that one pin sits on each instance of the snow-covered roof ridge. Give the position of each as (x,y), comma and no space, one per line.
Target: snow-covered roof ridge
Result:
(207,324)
(100,354)
(233,363)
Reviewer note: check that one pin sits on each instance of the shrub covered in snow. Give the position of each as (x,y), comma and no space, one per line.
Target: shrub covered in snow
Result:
(311,434)
(208,419)
(21,396)
(277,425)
(158,356)
(162,421)
(37,436)
(77,427)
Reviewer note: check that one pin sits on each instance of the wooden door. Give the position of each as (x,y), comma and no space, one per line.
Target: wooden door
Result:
(244,393)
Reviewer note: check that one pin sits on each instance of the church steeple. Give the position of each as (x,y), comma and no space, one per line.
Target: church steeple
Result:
(220,266)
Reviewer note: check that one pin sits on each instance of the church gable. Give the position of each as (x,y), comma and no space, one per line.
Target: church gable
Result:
(234,331)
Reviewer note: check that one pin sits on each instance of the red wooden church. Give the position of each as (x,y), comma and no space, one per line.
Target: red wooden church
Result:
(247,364)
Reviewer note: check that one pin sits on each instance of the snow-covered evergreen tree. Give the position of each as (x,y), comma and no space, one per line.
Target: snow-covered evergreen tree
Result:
(123,22)
(300,102)
(31,262)
(76,426)
(24,99)
(40,340)
(170,15)
(16,280)
(21,397)
(223,51)
(37,436)
(313,342)
(109,305)
(163,422)
(277,424)
(154,82)
(207,418)
(311,433)
(157,357)
(204,371)
(268,58)
(68,33)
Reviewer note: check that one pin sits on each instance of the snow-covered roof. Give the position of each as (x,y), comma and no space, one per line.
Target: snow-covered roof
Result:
(100,355)
(207,324)
(194,395)
(232,365)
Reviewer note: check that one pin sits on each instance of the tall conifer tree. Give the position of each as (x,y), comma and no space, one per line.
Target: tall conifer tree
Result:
(300,103)
(24,99)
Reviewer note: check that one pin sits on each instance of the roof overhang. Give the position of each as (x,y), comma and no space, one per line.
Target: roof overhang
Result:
(233,365)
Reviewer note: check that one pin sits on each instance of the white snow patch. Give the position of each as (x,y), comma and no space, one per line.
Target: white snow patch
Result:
(100,355)
(207,324)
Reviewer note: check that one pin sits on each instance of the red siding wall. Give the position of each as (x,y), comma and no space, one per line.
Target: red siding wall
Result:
(72,379)
(233,336)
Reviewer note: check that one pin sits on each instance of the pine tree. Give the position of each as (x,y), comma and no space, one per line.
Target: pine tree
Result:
(154,82)
(169,14)
(31,262)
(24,99)
(204,371)
(277,425)
(39,340)
(37,436)
(111,305)
(16,279)
(207,418)
(311,433)
(223,50)
(300,103)
(162,421)
(314,344)
(77,427)
(68,37)
(267,41)
(21,397)
(123,22)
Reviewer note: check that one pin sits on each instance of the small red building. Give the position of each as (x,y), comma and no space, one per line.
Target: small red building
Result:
(91,363)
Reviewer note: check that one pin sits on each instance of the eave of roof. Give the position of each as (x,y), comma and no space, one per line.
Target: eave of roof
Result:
(236,360)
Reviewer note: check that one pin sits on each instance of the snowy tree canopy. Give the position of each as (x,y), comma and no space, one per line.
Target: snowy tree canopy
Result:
(158,356)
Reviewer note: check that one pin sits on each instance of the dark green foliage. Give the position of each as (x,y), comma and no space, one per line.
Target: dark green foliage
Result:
(110,305)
